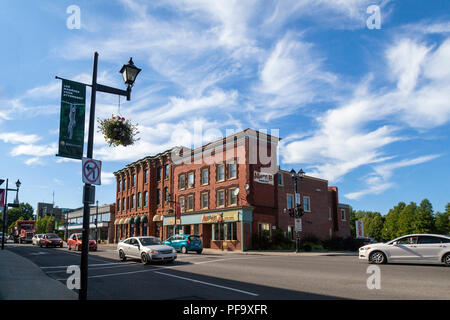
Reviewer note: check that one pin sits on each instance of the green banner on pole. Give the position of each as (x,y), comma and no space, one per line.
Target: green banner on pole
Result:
(71,125)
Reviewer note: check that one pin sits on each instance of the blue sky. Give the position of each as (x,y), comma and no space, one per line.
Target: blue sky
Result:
(367,109)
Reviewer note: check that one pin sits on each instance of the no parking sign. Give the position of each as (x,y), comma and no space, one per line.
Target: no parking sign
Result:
(91,171)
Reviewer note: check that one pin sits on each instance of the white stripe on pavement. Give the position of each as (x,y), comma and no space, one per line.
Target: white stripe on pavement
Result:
(91,265)
(208,283)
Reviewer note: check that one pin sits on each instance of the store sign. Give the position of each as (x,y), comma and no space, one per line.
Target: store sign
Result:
(171,221)
(263,177)
(71,123)
(226,217)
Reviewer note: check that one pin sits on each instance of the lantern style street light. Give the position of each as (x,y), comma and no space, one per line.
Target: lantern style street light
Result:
(129,72)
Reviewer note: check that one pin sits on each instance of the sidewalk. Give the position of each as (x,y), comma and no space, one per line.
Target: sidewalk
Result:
(21,279)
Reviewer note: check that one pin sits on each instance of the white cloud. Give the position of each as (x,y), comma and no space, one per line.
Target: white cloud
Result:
(17,137)
(34,150)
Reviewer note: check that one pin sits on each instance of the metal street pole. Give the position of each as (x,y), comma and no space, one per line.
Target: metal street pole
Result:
(5,215)
(86,210)
(96,222)
(297,249)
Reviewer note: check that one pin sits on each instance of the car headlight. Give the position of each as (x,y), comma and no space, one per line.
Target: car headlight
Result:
(153,251)
(364,248)
(174,251)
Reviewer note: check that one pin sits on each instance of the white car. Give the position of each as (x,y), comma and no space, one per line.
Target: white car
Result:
(36,239)
(147,249)
(410,248)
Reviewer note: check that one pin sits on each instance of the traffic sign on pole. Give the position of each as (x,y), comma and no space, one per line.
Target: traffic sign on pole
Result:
(91,171)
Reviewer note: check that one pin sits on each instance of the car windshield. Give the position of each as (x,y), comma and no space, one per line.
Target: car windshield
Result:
(149,241)
(52,235)
(194,238)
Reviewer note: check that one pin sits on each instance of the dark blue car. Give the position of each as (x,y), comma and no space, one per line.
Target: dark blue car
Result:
(185,243)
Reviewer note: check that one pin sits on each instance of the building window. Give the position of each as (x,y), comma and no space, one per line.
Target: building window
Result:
(123,204)
(133,180)
(166,195)
(221,198)
(306,204)
(166,172)
(182,204)
(145,176)
(329,213)
(220,172)
(232,198)
(158,174)
(280,179)
(158,197)
(232,170)
(124,185)
(145,199)
(118,204)
(132,201)
(290,201)
(190,203)
(119,185)
(205,200)
(191,179)
(343,215)
(182,182)
(264,229)
(205,176)
(139,200)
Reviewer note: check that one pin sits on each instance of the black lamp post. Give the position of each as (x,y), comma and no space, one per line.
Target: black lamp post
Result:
(13,205)
(294,179)
(129,73)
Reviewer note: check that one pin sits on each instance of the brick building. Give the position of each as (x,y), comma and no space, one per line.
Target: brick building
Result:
(227,191)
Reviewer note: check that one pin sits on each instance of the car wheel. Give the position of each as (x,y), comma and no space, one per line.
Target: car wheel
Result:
(446,259)
(122,255)
(183,250)
(377,257)
(76,248)
(144,258)
(199,251)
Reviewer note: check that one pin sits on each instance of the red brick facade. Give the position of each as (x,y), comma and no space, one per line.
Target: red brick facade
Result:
(204,182)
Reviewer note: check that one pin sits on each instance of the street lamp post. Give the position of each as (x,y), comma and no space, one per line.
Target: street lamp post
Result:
(5,210)
(294,179)
(129,73)
(96,222)
(298,209)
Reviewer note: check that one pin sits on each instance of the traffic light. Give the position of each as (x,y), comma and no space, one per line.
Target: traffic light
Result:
(299,211)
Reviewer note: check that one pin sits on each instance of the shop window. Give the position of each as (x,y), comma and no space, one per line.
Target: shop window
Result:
(218,231)
(231,231)
(196,229)
(264,229)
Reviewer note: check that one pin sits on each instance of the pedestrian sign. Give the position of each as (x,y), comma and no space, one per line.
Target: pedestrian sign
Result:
(91,171)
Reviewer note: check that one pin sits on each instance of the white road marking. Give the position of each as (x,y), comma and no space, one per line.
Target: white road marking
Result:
(208,283)
(94,268)
(92,265)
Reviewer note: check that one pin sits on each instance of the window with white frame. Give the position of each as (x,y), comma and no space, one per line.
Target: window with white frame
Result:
(191,179)
(232,198)
(232,170)
(190,203)
(182,182)
(307,204)
(205,200)
(220,172)
(182,204)
(221,198)
(205,176)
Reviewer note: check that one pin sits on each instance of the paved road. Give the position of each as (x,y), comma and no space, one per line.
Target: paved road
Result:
(240,276)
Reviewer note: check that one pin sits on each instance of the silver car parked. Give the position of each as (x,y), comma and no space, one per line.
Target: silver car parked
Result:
(36,239)
(147,249)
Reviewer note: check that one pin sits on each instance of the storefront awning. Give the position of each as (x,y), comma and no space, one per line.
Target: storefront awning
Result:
(137,220)
(122,221)
(116,221)
(158,217)
(144,219)
(131,220)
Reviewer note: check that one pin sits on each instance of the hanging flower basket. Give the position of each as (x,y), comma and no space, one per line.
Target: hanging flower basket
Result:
(118,131)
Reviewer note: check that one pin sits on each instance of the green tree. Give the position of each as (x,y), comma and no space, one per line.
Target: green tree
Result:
(424,219)
(376,227)
(442,221)
(390,226)
(406,220)
(24,211)
(45,224)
